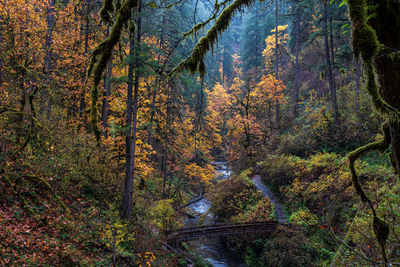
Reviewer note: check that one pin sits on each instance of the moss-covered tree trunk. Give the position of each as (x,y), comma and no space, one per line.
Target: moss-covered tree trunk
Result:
(376,37)
(387,64)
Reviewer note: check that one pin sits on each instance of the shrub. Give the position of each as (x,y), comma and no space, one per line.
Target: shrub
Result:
(233,196)
(288,247)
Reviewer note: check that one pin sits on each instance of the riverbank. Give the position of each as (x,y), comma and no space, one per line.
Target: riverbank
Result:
(213,251)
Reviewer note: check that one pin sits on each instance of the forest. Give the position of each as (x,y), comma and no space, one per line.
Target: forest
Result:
(200,133)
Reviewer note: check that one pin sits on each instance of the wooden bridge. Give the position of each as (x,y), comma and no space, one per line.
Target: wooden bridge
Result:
(218,230)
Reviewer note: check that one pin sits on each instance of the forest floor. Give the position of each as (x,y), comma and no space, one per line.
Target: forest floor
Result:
(279,210)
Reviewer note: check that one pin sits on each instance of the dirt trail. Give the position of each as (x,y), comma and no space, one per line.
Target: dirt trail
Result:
(279,210)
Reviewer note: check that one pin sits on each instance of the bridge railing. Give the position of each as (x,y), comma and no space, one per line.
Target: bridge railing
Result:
(215,230)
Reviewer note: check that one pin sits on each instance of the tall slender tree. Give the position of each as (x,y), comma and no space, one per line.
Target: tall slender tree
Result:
(132,113)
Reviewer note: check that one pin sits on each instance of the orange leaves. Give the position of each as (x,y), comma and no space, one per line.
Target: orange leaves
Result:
(269,88)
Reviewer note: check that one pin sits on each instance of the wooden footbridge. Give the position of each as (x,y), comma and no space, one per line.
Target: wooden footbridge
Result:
(219,230)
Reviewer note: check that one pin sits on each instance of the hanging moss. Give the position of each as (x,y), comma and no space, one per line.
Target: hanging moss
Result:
(195,62)
(365,42)
(100,57)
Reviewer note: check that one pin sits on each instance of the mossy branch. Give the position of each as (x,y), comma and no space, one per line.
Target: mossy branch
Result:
(381,228)
(195,62)
(201,25)
(381,146)
(102,54)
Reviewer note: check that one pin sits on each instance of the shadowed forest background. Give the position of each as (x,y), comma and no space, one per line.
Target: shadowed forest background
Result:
(113,114)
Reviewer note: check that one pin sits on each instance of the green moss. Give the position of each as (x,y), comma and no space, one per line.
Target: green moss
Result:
(365,42)
(195,62)
(100,57)
(380,145)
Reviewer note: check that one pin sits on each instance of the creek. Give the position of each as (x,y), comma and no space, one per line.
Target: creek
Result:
(214,251)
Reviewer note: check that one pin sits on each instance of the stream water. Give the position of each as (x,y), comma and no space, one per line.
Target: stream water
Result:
(213,250)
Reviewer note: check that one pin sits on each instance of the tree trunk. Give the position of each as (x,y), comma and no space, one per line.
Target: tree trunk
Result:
(154,95)
(127,202)
(82,104)
(387,27)
(126,207)
(332,54)
(106,100)
(277,109)
(47,60)
(297,52)
(1,45)
(358,85)
(87,24)
(165,148)
(332,89)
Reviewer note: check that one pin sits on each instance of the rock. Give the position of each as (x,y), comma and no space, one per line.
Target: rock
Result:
(192,213)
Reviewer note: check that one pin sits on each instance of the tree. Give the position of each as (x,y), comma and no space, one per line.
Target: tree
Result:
(329,62)
(377,38)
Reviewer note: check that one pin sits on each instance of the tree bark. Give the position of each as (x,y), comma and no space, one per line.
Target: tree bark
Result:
(132,109)
(154,95)
(47,60)
(106,100)
(387,26)
(297,52)
(332,54)
(358,85)
(165,148)
(332,89)
(82,104)
(277,109)
(126,207)
(1,45)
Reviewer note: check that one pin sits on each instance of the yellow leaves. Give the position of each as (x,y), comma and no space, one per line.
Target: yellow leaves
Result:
(270,44)
(303,216)
(116,233)
(318,114)
(162,213)
(218,99)
(260,212)
(145,259)
(199,175)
